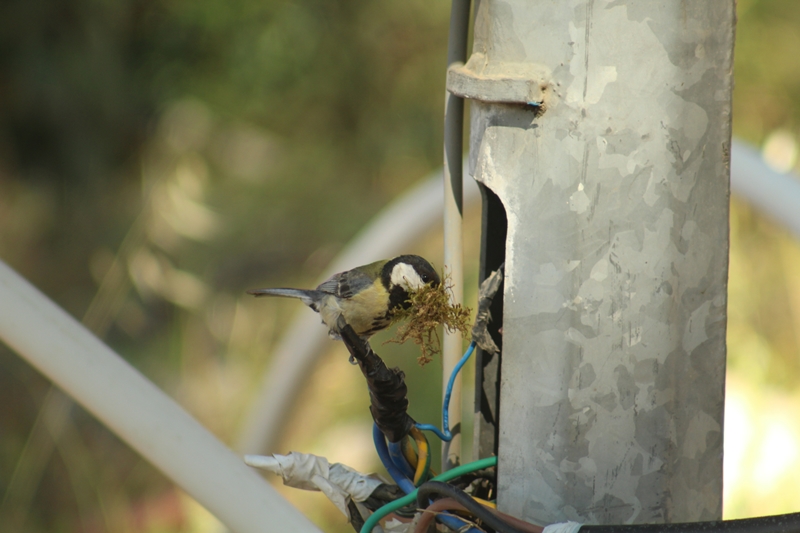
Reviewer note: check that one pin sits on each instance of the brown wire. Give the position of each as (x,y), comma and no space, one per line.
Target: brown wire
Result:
(429,514)
(449,504)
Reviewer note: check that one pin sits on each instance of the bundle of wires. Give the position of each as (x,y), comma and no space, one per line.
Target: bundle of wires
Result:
(411,497)
(410,469)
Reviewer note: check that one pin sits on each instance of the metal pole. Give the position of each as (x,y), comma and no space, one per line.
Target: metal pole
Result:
(604,129)
(452,345)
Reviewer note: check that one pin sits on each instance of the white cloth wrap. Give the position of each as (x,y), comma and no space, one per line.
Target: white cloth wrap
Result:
(306,471)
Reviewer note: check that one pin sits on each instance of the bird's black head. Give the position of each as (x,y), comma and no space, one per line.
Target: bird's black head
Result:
(405,273)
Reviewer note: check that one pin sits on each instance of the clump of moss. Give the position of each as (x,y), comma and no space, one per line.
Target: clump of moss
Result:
(430,307)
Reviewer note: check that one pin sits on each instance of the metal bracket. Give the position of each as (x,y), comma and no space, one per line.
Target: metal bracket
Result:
(498,82)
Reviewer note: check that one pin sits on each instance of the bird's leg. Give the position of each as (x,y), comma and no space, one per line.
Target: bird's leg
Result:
(358,347)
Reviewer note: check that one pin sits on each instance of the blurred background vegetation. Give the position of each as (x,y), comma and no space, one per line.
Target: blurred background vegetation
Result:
(159,158)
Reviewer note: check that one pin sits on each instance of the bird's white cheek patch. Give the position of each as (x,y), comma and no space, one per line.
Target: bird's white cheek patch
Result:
(404,275)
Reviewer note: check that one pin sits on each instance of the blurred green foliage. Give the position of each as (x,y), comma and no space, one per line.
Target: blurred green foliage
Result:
(205,147)
(158,158)
(766,71)
(764,304)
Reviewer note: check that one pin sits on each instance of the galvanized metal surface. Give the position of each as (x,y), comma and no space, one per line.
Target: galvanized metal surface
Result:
(613,366)
(510,83)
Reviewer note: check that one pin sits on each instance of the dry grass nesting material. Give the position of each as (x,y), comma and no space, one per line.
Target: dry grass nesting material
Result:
(430,308)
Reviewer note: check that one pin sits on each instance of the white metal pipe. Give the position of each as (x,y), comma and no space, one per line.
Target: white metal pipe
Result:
(452,345)
(139,412)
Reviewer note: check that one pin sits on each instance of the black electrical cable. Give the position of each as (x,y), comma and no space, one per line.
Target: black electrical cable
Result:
(487,474)
(786,523)
(387,387)
(356,520)
(383,494)
(428,490)
(454,106)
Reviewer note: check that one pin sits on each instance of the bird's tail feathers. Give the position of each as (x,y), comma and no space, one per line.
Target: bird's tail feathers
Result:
(310,298)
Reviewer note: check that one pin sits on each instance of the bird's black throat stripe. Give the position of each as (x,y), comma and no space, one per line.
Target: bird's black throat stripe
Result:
(398,298)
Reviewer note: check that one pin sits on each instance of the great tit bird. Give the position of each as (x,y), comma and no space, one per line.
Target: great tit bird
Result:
(365,296)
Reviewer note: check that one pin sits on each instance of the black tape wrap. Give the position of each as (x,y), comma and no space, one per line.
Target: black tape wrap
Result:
(387,387)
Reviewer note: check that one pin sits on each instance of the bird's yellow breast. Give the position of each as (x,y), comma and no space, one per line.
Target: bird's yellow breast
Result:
(366,312)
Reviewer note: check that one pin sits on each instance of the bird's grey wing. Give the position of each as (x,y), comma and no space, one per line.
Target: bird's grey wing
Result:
(331,285)
(346,284)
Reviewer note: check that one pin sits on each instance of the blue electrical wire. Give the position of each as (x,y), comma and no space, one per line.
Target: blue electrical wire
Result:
(396,471)
(399,460)
(407,486)
(446,435)
(383,452)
